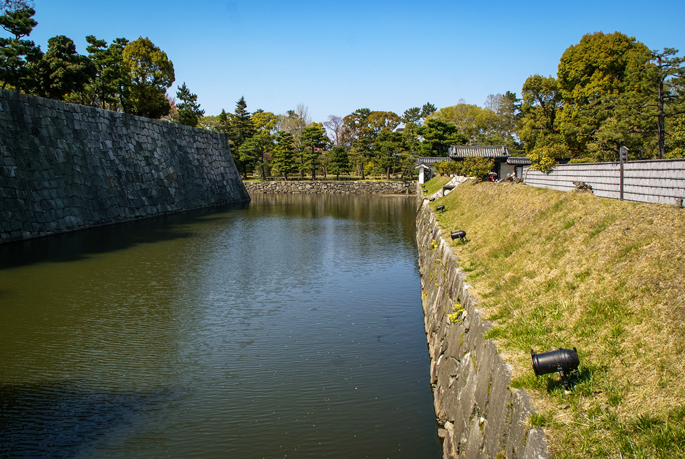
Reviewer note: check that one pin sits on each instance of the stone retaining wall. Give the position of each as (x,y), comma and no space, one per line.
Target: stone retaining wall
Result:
(333,187)
(482,417)
(65,167)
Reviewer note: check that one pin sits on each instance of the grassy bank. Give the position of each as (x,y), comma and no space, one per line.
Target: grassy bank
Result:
(555,269)
(435,184)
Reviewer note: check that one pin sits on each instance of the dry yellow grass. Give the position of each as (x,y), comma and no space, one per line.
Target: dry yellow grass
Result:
(557,269)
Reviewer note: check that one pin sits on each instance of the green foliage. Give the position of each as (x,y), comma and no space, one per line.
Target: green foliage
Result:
(151,73)
(388,148)
(339,162)
(475,166)
(265,121)
(108,88)
(189,112)
(283,161)
(253,149)
(541,104)
(438,136)
(62,71)
(313,139)
(591,77)
(16,53)
(448,167)
(238,125)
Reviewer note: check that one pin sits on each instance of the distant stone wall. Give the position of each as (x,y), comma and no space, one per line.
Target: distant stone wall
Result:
(65,167)
(481,416)
(657,181)
(333,187)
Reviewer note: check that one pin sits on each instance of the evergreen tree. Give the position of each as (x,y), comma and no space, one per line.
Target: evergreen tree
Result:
(253,149)
(655,93)
(438,136)
(340,162)
(284,154)
(16,52)
(313,140)
(62,72)
(240,126)
(112,80)
(189,112)
(388,147)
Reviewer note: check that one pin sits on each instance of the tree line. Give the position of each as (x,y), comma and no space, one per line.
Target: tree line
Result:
(128,76)
(610,91)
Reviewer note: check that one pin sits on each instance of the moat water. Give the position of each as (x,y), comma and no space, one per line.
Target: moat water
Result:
(289,327)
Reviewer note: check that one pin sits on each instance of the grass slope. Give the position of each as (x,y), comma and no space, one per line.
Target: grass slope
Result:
(434,185)
(555,269)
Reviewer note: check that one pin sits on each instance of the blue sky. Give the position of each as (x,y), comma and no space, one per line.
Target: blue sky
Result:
(336,57)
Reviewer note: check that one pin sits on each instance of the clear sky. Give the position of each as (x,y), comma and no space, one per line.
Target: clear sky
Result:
(336,57)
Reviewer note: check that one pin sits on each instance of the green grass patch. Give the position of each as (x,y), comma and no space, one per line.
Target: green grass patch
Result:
(435,184)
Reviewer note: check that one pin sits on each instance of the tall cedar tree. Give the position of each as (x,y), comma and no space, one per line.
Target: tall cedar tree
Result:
(239,127)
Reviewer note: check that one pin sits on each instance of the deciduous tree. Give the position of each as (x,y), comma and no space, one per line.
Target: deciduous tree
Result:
(152,73)
(541,104)
(591,77)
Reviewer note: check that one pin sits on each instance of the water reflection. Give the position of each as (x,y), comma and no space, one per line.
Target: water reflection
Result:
(289,327)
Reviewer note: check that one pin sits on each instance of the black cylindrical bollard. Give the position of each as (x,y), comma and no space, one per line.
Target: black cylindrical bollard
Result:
(458,235)
(564,360)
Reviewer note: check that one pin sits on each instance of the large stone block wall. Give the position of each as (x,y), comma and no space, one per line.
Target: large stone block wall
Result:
(481,416)
(65,167)
(333,187)
(657,181)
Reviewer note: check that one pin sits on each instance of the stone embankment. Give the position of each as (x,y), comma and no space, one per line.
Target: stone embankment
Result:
(331,187)
(65,167)
(482,417)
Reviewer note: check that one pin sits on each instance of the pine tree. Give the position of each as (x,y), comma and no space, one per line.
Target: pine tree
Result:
(189,112)
(340,162)
(313,140)
(284,154)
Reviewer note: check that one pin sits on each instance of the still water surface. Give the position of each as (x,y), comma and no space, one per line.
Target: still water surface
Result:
(289,327)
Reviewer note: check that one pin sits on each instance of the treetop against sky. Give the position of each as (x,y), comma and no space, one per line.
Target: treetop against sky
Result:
(337,57)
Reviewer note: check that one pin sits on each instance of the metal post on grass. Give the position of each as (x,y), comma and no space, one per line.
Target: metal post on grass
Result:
(623,158)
